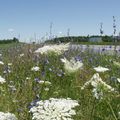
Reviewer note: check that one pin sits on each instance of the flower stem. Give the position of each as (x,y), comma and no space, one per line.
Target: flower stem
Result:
(92,112)
(113,113)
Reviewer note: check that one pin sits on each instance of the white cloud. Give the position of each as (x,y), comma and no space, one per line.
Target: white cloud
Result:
(11,30)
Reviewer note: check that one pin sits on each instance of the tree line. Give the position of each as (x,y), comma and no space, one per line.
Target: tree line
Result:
(6,41)
(78,39)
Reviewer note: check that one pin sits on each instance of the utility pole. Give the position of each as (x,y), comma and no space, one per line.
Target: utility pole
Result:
(51,25)
(114,28)
(68,32)
(101,29)
(35,37)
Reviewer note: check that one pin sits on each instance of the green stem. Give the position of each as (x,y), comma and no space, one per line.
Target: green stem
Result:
(113,113)
(92,112)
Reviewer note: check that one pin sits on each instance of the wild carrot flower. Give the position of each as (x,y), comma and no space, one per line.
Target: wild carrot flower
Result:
(44,82)
(21,55)
(101,69)
(9,64)
(99,86)
(28,78)
(53,48)
(2,63)
(118,79)
(2,80)
(36,68)
(54,109)
(7,116)
(72,65)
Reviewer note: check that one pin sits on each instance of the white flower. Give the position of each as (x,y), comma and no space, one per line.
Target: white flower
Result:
(21,55)
(7,116)
(118,79)
(53,48)
(36,68)
(54,109)
(72,65)
(9,64)
(2,63)
(44,82)
(28,78)
(100,69)
(46,89)
(2,80)
(97,94)
(99,86)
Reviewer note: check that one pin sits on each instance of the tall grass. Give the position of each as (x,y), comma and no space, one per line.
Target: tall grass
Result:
(22,85)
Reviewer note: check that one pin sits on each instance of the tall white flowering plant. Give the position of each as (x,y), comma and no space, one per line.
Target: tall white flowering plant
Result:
(54,109)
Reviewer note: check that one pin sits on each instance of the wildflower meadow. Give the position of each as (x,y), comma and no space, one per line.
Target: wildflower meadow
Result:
(59,82)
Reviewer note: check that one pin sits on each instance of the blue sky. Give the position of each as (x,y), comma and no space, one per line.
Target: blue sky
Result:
(83,17)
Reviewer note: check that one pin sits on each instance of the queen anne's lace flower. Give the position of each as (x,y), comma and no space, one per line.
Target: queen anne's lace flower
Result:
(2,80)
(2,63)
(9,64)
(101,69)
(99,86)
(54,109)
(21,55)
(36,68)
(72,65)
(53,48)
(7,116)
(118,79)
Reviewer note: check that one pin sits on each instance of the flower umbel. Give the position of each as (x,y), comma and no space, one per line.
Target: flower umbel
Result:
(36,68)
(53,48)
(100,69)
(99,86)
(54,109)
(72,65)
(7,116)
(2,80)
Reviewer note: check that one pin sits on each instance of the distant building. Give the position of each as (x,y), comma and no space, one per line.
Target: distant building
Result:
(95,39)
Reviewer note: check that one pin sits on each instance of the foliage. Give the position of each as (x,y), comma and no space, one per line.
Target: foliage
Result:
(84,39)
(24,87)
(7,41)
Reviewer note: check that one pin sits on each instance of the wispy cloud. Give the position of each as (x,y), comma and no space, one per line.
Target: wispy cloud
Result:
(11,30)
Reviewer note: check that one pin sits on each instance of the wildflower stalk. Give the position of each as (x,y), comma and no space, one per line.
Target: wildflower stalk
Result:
(93,108)
(113,113)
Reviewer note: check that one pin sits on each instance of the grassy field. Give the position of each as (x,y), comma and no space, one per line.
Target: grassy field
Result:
(25,85)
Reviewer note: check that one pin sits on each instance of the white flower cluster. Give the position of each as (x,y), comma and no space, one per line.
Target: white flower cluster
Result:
(101,69)
(54,109)
(21,55)
(44,82)
(99,86)
(7,116)
(2,80)
(53,48)
(72,65)
(118,79)
(1,62)
(36,68)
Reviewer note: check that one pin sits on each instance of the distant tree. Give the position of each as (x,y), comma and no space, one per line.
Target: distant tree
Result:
(15,39)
